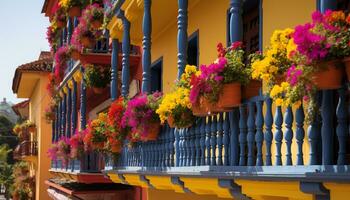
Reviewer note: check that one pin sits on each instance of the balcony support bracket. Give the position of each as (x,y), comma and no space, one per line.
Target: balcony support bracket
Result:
(316,189)
(234,188)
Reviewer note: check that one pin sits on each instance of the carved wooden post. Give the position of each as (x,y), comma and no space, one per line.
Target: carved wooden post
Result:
(268,130)
(342,127)
(300,133)
(236,22)
(182,36)
(69,112)
(82,102)
(74,107)
(146,45)
(278,134)
(114,69)
(288,119)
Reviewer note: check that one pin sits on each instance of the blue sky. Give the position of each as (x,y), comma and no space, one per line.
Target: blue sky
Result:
(22,37)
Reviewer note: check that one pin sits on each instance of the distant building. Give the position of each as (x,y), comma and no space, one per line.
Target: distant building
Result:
(6,111)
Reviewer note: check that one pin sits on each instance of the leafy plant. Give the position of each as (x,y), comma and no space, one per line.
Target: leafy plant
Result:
(97,76)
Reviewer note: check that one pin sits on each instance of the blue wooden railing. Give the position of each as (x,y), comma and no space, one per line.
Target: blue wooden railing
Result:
(244,137)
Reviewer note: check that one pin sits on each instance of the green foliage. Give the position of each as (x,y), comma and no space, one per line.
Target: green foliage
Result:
(97,76)
(236,70)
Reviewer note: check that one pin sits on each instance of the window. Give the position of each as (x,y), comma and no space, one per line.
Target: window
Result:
(343,5)
(251,26)
(193,49)
(156,75)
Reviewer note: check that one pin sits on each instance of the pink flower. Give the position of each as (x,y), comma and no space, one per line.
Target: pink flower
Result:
(237,44)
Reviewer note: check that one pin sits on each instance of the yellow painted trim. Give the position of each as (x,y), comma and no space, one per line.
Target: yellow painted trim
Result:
(77,76)
(338,191)
(134,179)
(164,183)
(114,177)
(70,84)
(272,188)
(206,186)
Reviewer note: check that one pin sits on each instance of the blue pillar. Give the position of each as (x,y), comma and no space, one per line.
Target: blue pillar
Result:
(75,21)
(146,45)
(268,130)
(259,136)
(327,4)
(182,36)
(278,134)
(69,113)
(64,112)
(234,133)
(125,54)
(57,122)
(288,120)
(236,22)
(251,133)
(327,131)
(82,102)
(114,69)
(242,135)
(300,134)
(74,107)
(60,119)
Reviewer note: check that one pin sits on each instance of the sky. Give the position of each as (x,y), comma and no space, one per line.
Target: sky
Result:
(22,38)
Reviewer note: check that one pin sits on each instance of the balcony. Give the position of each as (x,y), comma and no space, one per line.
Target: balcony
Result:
(26,150)
(250,143)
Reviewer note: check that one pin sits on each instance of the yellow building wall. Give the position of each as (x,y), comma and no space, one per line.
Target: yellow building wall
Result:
(209,19)
(38,101)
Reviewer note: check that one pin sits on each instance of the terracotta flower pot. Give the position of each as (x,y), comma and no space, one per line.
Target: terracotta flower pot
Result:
(87,42)
(31,129)
(329,77)
(98,145)
(252,89)
(346,62)
(75,54)
(153,131)
(230,96)
(61,23)
(74,12)
(171,121)
(96,24)
(116,148)
(97,90)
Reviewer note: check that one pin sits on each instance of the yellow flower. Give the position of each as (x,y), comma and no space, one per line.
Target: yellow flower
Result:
(284,86)
(291,48)
(279,102)
(276,90)
(297,104)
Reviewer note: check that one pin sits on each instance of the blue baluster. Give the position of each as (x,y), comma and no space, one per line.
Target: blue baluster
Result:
(64,114)
(342,127)
(278,134)
(327,132)
(53,128)
(114,69)
(259,136)
(184,142)
(242,135)
(146,45)
(60,118)
(251,133)
(268,130)
(177,147)
(182,36)
(197,143)
(69,113)
(76,22)
(57,121)
(236,22)
(327,4)
(172,149)
(70,30)
(125,54)
(74,107)
(202,140)
(234,134)
(181,147)
(225,139)
(82,102)
(288,136)
(192,148)
(219,138)
(300,133)
(207,140)
(213,139)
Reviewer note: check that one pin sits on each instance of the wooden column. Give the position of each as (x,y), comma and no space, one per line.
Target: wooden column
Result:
(146,45)
(69,113)
(114,69)
(82,102)
(236,22)
(182,36)
(74,107)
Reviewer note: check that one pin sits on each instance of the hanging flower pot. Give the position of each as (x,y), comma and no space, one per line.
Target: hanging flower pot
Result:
(230,96)
(61,23)
(153,131)
(97,90)
(346,62)
(116,148)
(96,24)
(87,42)
(74,11)
(171,121)
(252,89)
(329,77)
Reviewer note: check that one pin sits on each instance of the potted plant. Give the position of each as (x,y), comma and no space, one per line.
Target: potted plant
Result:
(61,59)
(63,150)
(59,16)
(30,126)
(52,152)
(73,7)
(176,107)
(50,114)
(52,35)
(118,134)
(94,14)
(96,133)
(84,36)
(140,115)
(74,52)
(97,77)
(77,144)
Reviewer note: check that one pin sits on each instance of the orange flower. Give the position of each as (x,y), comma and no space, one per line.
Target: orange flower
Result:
(336,16)
(348,19)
